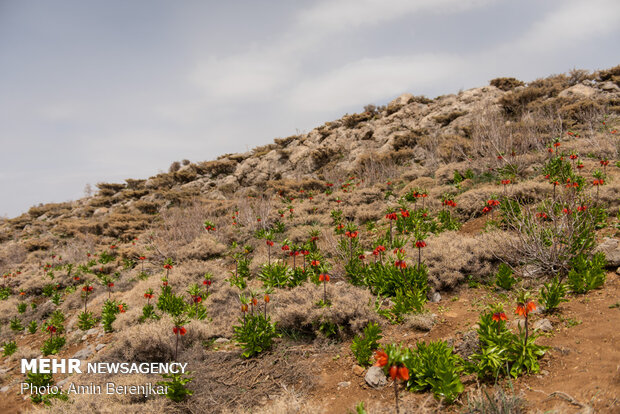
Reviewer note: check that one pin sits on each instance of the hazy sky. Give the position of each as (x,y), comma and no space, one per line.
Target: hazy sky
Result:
(96,91)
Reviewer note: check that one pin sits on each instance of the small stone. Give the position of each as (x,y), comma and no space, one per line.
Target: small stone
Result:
(99,347)
(84,337)
(375,377)
(358,370)
(100,335)
(435,297)
(344,384)
(221,341)
(518,323)
(92,331)
(543,325)
(618,271)
(84,353)
(544,372)
(4,389)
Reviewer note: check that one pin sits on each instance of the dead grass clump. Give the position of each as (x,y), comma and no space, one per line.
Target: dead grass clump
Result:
(351,121)
(248,384)
(133,184)
(109,189)
(409,139)
(283,142)
(186,174)
(37,243)
(179,196)
(419,321)
(50,210)
(379,168)
(446,118)
(160,181)
(125,226)
(292,187)
(583,113)
(147,207)
(350,312)
(451,257)
(506,84)
(453,147)
(203,247)
(322,156)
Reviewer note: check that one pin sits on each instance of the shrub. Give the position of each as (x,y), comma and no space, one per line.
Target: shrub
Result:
(504,278)
(255,334)
(552,294)
(9,348)
(587,274)
(111,308)
(175,386)
(86,320)
(32,327)
(16,324)
(506,84)
(42,381)
(434,366)
(53,345)
(277,274)
(363,346)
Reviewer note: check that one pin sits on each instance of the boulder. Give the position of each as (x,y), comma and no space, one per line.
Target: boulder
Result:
(611,248)
(375,377)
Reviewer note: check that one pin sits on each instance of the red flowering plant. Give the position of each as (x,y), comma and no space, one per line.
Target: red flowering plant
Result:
(209,226)
(391,216)
(207,281)
(392,359)
(324,278)
(195,309)
(168,265)
(524,307)
(179,330)
(87,289)
(599,180)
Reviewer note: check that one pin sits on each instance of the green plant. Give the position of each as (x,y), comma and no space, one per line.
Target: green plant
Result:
(363,346)
(504,278)
(434,366)
(170,303)
(148,312)
(499,401)
(111,308)
(86,320)
(9,348)
(277,274)
(52,345)
(16,324)
(38,381)
(255,334)
(585,274)
(552,294)
(56,298)
(5,292)
(21,307)
(32,327)
(175,386)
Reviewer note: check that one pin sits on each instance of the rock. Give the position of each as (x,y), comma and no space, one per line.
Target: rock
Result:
(84,353)
(100,335)
(609,87)
(358,370)
(578,91)
(618,271)
(611,248)
(101,211)
(469,344)
(344,384)
(84,337)
(4,389)
(92,331)
(221,341)
(375,377)
(99,347)
(516,323)
(435,297)
(543,325)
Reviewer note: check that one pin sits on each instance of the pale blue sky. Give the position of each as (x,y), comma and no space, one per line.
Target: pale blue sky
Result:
(106,90)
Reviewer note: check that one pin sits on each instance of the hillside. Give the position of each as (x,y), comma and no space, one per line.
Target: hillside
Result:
(412,210)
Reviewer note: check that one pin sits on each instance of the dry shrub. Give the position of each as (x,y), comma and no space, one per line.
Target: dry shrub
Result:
(134,184)
(585,113)
(292,187)
(453,147)
(451,257)
(147,207)
(446,118)
(125,226)
(160,181)
(409,139)
(50,210)
(203,247)
(366,212)
(186,174)
(250,209)
(379,168)
(12,254)
(506,84)
(37,243)
(296,309)
(351,121)
(109,189)
(174,167)
(154,341)
(323,156)
(419,321)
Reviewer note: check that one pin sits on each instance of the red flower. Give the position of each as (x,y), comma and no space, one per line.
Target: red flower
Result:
(391,216)
(179,330)
(120,308)
(148,296)
(403,373)
(362,257)
(404,213)
(197,299)
(167,266)
(266,298)
(111,284)
(269,243)
(315,263)
(51,328)
(285,247)
(505,182)
(393,372)
(582,208)
(500,316)
(206,282)
(113,246)
(142,258)
(164,283)
(524,309)
(381,357)
(420,244)
(323,277)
